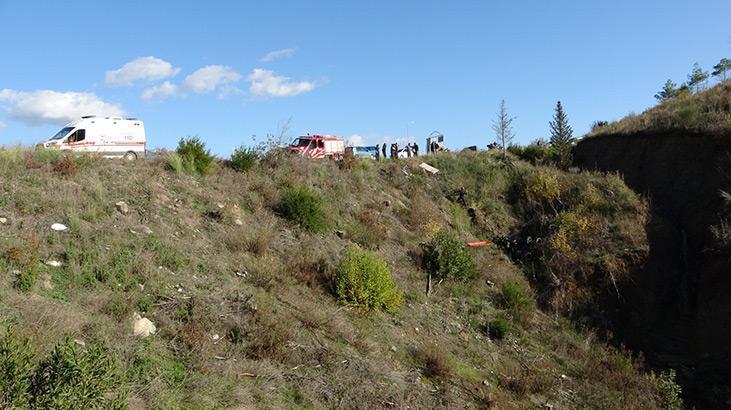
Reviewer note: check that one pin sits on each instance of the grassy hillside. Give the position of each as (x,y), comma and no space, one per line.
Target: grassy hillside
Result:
(706,112)
(251,296)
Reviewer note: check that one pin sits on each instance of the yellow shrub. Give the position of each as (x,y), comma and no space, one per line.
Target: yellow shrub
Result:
(543,187)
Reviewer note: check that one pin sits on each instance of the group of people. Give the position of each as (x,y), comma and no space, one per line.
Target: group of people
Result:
(411,150)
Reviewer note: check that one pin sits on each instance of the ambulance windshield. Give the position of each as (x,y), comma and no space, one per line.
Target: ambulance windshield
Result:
(62,133)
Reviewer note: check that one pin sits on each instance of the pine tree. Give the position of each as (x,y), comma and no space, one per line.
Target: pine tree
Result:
(562,137)
(669,91)
(503,127)
(719,70)
(697,77)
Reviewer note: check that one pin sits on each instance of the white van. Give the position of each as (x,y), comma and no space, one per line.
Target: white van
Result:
(108,136)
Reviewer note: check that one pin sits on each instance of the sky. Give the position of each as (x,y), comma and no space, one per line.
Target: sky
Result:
(370,71)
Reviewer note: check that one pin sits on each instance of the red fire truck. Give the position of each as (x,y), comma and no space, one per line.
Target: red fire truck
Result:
(318,146)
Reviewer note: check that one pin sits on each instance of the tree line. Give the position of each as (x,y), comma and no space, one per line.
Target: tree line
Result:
(697,80)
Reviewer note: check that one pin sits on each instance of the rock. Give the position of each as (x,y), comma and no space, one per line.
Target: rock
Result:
(122,207)
(340,234)
(80,342)
(54,264)
(3,220)
(143,326)
(486,383)
(146,230)
(238,222)
(387,203)
(220,205)
(59,227)
(393,348)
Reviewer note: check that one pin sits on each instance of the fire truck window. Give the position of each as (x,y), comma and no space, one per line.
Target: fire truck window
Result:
(320,144)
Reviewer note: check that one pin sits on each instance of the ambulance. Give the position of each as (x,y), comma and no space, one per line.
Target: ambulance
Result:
(111,137)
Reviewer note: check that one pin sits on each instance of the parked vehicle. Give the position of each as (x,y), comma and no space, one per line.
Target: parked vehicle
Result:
(109,136)
(361,152)
(318,146)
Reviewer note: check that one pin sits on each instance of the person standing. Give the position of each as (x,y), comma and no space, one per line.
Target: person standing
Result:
(394,150)
(408,150)
(383,149)
(378,152)
(415,149)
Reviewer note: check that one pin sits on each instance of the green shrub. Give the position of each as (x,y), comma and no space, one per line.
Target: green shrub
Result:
(447,257)
(363,279)
(69,378)
(498,328)
(196,159)
(305,208)
(670,391)
(243,159)
(515,297)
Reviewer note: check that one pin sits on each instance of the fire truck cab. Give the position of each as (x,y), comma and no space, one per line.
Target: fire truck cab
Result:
(318,146)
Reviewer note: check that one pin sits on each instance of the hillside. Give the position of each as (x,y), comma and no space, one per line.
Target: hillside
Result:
(707,112)
(678,309)
(245,301)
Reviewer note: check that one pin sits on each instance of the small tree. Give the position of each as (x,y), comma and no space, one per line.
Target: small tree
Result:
(562,137)
(669,91)
(697,77)
(503,127)
(719,70)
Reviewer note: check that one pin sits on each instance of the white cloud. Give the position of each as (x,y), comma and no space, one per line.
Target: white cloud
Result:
(210,78)
(161,91)
(273,55)
(143,69)
(265,82)
(54,107)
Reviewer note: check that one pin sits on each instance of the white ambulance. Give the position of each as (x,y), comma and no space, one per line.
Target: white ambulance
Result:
(107,136)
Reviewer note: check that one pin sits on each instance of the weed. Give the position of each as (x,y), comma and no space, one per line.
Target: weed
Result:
(363,279)
(446,257)
(16,369)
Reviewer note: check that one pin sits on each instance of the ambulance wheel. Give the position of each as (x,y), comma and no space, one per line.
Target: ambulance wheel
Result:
(130,156)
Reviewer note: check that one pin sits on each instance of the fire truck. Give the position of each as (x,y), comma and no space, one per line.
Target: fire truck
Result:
(318,146)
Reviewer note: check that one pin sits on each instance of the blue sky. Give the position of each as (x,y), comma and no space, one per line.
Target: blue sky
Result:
(367,69)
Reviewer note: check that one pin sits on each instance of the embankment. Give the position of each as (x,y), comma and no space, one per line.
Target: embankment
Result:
(678,310)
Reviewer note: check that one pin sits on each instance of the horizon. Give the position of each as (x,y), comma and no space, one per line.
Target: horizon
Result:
(369,73)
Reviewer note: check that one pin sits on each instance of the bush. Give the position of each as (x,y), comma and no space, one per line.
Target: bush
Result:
(304,207)
(363,279)
(67,166)
(174,162)
(435,363)
(670,391)
(243,159)
(446,257)
(515,297)
(196,159)
(67,378)
(498,328)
